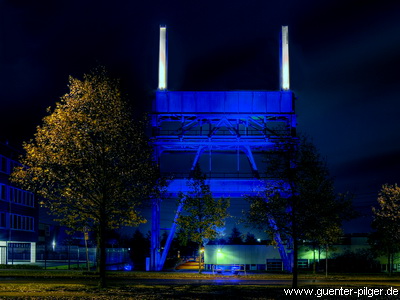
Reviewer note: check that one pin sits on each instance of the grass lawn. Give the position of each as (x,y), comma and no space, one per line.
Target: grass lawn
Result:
(60,284)
(82,291)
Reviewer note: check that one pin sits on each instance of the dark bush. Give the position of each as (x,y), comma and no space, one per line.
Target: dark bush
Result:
(360,261)
(20,266)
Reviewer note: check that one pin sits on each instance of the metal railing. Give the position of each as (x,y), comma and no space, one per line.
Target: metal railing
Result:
(212,175)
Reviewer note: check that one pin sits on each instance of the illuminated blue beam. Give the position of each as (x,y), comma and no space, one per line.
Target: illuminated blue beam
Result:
(200,150)
(171,235)
(174,116)
(225,187)
(217,142)
(253,102)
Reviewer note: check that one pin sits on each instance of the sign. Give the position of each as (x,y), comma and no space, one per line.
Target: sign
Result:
(19,245)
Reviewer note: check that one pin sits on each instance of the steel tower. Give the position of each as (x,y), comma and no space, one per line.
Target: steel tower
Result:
(226,132)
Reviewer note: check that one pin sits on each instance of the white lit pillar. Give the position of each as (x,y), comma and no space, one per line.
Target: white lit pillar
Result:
(162,64)
(284,59)
(33,252)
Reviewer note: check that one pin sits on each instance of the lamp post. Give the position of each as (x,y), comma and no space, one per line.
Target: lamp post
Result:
(314,260)
(86,233)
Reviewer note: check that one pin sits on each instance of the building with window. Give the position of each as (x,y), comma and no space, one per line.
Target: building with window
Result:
(351,253)
(18,214)
(249,257)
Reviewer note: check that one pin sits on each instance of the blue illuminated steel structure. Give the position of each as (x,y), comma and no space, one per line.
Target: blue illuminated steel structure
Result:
(191,127)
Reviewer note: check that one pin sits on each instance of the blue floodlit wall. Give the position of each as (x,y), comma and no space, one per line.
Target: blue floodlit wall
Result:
(226,133)
(258,102)
(221,129)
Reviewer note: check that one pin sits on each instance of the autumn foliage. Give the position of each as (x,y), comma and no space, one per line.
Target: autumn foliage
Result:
(89,161)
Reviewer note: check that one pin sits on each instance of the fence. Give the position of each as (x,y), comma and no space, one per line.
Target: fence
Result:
(72,256)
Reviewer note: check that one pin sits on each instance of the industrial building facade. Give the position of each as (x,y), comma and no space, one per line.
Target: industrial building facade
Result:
(226,133)
(18,214)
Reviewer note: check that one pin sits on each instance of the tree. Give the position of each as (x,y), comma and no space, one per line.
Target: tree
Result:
(202,214)
(250,239)
(386,222)
(298,201)
(357,261)
(89,161)
(236,237)
(219,240)
(140,249)
(187,248)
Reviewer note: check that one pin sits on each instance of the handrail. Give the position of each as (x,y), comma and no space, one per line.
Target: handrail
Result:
(213,268)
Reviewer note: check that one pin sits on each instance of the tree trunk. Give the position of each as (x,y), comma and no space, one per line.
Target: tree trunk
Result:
(101,254)
(314,262)
(200,258)
(326,261)
(319,257)
(390,264)
(295,265)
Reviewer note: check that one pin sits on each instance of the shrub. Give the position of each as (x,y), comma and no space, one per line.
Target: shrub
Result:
(20,266)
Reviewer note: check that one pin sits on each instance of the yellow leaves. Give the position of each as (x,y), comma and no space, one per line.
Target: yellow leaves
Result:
(387,215)
(87,150)
(202,213)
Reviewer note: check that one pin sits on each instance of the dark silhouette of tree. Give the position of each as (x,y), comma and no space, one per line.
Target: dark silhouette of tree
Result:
(299,203)
(202,214)
(236,237)
(112,237)
(164,237)
(186,247)
(218,241)
(362,260)
(140,249)
(385,240)
(250,239)
(90,162)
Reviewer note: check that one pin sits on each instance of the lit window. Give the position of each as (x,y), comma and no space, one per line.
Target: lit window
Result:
(19,222)
(3,193)
(3,164)
(3,219)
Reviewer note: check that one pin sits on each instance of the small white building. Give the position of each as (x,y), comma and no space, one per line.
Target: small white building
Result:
(267,257)
(252,257)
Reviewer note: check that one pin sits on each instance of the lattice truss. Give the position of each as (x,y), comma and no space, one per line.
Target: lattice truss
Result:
(224,133)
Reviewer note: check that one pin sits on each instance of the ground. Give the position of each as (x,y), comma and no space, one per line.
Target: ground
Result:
(28,284)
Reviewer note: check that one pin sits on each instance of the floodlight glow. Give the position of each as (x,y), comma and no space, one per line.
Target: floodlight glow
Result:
(285,83)
(162,65)
(220,256)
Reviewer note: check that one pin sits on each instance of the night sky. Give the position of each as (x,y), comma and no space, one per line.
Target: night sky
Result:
(344,56)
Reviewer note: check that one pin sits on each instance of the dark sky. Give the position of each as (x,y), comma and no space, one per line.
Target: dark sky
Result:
(345,62)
